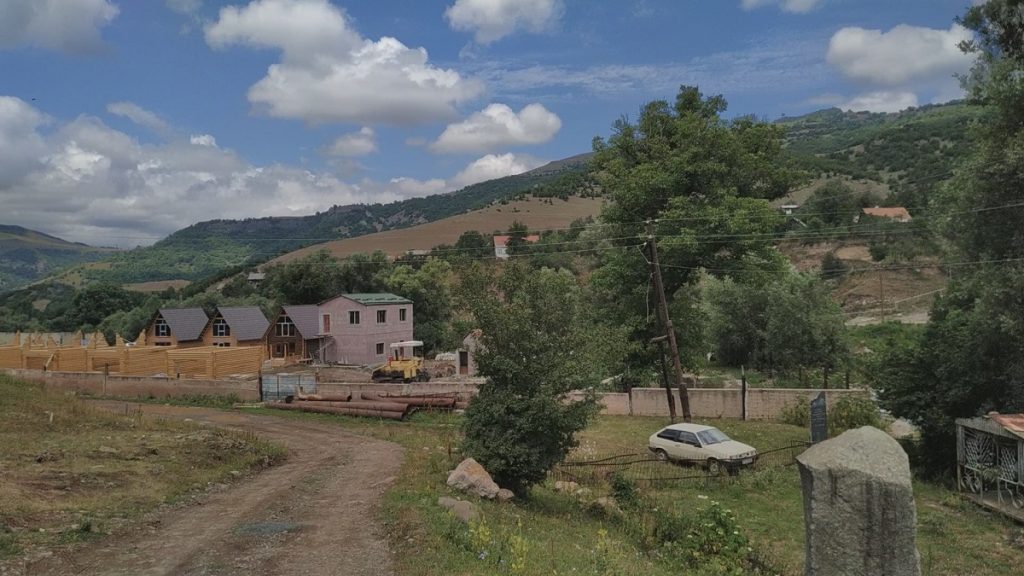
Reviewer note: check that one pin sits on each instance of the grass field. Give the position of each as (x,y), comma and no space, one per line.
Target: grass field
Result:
(552,533)
(69,472)
(536,213)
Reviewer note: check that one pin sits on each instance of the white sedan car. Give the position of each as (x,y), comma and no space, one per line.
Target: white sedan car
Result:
(702,445)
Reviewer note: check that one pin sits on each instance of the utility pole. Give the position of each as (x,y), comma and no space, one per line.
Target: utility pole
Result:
(881,293)
(666,321)
(660,341)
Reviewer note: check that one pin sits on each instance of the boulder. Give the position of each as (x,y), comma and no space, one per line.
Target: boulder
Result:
(859,507)
(566,486)
(470,476)
(504,495)
(465,511)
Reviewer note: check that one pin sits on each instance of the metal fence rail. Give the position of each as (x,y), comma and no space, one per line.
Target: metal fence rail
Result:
(645,469)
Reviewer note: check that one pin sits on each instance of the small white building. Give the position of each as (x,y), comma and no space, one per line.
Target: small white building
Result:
(501,244)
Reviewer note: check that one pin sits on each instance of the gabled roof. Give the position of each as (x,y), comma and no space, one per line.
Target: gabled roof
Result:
(246,322)
(377,298)
(186,324)
(896,212)
(305,320)
(502,239)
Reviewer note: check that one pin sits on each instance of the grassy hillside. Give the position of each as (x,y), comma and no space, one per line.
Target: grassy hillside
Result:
(536,213)
(27,255)
(205,248)
(908,152)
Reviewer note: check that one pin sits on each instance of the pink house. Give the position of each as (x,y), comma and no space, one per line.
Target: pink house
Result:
(359,328)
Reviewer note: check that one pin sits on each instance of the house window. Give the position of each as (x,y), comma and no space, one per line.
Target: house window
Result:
(401,314)
(161,343)
(278,350)
(161,328)
(382,316)
(380,348)
(291,348)
(353,317)
(221,328)
(284,327)
(327,323)
(222,344)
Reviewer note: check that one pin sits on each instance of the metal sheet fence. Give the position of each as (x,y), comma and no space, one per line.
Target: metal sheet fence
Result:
(275,387)
(646,470)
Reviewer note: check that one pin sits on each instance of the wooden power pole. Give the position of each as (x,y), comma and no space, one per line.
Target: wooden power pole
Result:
(666,321)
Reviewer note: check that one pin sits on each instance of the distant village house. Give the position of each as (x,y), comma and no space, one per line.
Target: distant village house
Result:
(236,326)
(501,244)
(180,327)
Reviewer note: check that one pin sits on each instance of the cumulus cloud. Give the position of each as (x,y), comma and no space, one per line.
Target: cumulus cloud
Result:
(494,166)
(902,55)
(498,126)
(139,115)
(85,181)
(492,20)
(203,140)
(21,146)
(329,73)
(354,144)
(794,6)
(64,25)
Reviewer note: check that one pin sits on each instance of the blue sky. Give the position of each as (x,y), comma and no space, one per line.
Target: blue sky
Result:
(124,120)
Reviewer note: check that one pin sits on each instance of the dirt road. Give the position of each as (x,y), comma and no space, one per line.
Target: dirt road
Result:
(314,514)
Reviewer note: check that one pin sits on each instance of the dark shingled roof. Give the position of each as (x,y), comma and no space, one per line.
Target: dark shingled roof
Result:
(246,322)
(378,298)
(305,320)
(186,324)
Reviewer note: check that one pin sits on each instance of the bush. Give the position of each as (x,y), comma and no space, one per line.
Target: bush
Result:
(832,267)
(852,412)
(798,413)
(624,490)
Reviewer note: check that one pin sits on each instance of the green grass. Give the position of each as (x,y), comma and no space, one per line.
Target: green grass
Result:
(562,537)
(72,472)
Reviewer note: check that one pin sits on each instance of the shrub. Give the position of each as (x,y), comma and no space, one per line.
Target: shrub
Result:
(832,267)
(624,490)
(798,413)
(852,412)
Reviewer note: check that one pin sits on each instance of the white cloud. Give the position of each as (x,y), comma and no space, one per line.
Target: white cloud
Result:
(498,126)
(203,140)
(900,56)
(354,144)
(139,115)
(492,20)
(65,25)
(329,73)
(88,182)
(794,6)
(494,166)
(881,101)
(21,146)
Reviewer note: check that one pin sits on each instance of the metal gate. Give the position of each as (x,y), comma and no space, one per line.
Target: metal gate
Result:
(275,387)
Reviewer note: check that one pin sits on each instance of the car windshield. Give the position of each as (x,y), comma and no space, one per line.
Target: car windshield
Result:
(712,436)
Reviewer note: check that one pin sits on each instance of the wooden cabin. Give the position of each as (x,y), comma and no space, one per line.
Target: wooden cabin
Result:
(236,326)
(180,327)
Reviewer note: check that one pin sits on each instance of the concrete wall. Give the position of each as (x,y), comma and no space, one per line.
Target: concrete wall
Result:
(762,403)
(138,386)
(357,343)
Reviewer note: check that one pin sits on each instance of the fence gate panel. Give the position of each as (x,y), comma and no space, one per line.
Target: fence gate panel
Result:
(274,387)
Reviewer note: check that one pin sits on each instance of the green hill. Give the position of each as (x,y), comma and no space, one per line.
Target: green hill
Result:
(911,151)
(208,247)
(27,255)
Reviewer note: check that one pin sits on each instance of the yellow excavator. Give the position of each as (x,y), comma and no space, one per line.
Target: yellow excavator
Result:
(402,368)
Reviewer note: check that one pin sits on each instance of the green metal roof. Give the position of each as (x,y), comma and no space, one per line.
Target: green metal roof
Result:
(377,298)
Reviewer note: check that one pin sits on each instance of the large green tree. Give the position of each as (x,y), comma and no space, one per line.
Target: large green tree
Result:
(706,183)
(971,357)
(429,287)
(535,350)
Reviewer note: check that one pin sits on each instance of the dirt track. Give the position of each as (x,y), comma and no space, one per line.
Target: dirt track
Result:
(314,514)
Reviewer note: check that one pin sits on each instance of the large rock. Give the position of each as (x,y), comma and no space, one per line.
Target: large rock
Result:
(470,476)
(859,507)
(465,511)
(504,495)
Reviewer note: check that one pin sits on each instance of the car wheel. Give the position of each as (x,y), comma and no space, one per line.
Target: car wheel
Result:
(661,455)
(714,467)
